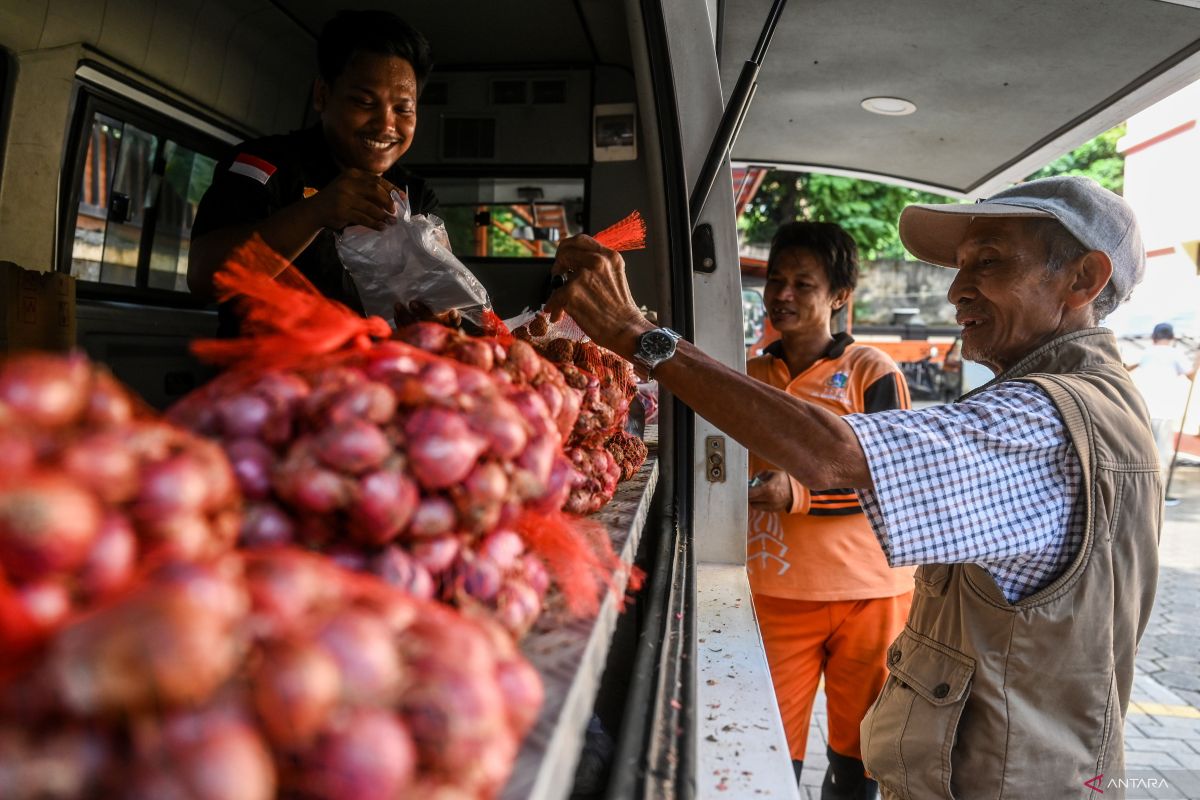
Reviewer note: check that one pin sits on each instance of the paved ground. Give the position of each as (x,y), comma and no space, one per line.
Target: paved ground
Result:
(1162,731)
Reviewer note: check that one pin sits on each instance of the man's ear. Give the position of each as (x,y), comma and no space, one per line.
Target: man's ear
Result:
(840,298)
(320,95)
(1090,275)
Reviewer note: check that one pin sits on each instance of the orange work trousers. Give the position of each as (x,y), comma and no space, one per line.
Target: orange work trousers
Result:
(847,640)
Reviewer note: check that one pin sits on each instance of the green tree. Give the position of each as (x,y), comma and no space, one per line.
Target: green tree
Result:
(1096,159)
(868,210)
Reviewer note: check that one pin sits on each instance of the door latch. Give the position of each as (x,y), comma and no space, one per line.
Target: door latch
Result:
(714,459)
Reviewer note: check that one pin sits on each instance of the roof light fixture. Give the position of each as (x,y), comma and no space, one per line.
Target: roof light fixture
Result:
(888,106)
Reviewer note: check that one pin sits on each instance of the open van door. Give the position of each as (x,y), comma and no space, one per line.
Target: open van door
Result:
(968,99)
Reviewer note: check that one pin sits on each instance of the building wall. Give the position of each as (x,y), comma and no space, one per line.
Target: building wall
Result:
(1162,183)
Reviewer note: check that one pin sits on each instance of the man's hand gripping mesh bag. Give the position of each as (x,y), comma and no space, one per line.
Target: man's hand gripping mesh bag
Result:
(410,261)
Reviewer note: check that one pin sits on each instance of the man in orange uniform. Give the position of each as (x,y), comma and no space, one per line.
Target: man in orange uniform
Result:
(826,599)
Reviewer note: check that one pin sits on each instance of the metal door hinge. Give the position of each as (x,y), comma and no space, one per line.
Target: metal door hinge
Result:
(714,459)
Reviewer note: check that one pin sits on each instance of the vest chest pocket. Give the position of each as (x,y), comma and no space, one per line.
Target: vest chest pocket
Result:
(931,579)
(909,732)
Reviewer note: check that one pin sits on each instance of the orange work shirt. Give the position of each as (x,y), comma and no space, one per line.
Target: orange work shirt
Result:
(824,548)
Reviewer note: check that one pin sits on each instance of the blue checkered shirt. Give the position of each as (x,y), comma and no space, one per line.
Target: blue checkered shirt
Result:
(990,480)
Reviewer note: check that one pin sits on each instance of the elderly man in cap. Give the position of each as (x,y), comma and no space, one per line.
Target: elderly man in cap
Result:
(1032,505)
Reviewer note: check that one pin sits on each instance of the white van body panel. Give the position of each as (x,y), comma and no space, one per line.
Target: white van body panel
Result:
(742,748)
(720,507)
(740,741)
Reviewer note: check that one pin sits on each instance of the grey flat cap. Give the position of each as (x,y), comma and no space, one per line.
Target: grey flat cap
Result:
(1098,218)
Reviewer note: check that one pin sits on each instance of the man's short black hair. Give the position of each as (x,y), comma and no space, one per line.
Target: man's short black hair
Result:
(372,31)
(828,242)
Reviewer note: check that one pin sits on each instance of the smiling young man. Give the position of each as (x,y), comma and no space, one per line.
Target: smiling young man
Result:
(296,190)
(828,605)
(1032,505)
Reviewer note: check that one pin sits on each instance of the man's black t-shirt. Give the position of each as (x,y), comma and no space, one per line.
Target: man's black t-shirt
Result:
(261,176)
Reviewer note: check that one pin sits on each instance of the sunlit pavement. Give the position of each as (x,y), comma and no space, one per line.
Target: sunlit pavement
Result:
(1162,730)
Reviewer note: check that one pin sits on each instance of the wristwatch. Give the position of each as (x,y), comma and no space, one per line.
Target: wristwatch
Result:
(654,347)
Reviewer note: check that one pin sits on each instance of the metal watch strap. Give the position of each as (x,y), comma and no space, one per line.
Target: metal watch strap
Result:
(645,361)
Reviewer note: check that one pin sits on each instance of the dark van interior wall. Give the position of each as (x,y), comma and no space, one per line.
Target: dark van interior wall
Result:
(619,187)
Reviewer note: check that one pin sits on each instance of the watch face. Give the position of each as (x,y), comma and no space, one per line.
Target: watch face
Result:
(657,345)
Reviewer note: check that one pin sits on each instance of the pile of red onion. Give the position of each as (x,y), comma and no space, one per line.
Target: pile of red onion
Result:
(272,674)
(601,451)
(89,489)
(411,465)
(147,658)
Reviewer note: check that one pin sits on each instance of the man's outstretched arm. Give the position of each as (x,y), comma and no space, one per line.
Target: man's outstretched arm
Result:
(814,445)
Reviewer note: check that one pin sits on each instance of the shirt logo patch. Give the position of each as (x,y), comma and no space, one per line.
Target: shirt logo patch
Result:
(835,386)
(253,167)
(309,192)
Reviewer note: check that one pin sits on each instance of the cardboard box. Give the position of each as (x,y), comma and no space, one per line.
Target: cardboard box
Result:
(37,309)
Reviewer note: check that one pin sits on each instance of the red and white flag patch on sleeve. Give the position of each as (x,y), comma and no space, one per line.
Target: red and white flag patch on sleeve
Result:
(253,167)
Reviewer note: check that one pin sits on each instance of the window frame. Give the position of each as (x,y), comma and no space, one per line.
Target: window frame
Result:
(430,173)
(91,99)
(8,75)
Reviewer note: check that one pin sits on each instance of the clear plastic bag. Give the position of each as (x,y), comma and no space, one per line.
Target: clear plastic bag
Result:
(410,261)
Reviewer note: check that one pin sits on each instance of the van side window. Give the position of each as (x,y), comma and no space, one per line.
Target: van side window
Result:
(132,195)
(521,217)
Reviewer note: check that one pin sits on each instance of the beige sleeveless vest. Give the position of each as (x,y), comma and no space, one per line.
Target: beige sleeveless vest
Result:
(991,700)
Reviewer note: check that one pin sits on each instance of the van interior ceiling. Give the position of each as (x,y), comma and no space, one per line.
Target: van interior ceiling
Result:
(999,89)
